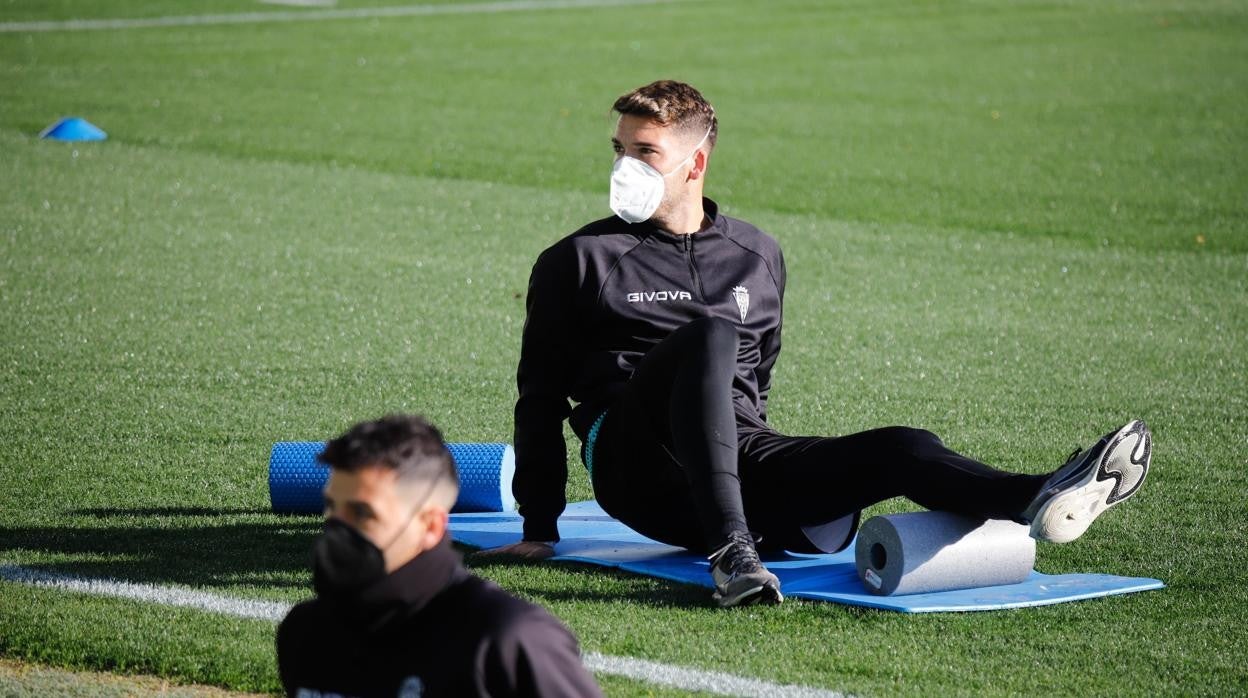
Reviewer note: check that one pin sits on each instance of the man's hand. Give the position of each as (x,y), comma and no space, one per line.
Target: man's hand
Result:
(525,549)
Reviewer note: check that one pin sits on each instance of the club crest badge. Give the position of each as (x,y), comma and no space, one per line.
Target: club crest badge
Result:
(741,295)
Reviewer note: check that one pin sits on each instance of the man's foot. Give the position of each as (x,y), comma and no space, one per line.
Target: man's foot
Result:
(1090,482)
(740,579)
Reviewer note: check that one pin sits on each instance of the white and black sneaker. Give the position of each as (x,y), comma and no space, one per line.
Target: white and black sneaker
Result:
(740,579)
(1089,483)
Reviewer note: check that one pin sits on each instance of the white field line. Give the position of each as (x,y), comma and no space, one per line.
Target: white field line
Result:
(683,678)
(166,596)
(315,14)
(687,679)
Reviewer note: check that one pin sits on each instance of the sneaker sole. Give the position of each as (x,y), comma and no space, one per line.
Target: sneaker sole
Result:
(764,595)
(1119,473)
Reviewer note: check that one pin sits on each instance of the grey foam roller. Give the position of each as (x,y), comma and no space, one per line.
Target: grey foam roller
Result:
(937,551)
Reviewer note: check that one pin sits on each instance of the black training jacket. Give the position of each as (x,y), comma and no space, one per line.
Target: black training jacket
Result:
(429,629)
(601,298)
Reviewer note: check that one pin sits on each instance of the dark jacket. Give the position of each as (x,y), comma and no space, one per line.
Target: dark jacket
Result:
(429,629)
(601,298)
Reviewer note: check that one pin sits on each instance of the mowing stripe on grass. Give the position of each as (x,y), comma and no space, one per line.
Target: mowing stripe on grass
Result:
(316,14)
(657,673)
(301,3)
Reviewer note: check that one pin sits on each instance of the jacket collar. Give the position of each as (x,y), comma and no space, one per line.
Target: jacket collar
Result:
(409,588)
(712,211)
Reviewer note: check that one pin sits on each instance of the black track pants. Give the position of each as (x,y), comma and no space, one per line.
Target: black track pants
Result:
(669,462)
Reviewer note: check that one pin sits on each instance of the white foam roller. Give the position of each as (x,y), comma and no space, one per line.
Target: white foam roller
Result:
(938,551)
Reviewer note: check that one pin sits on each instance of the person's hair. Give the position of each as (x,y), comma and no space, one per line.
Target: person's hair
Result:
(406,443)
(672,103)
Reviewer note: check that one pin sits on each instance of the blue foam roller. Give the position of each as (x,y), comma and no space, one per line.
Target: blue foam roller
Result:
(297,481)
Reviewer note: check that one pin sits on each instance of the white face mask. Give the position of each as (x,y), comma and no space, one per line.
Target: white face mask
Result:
(637,188)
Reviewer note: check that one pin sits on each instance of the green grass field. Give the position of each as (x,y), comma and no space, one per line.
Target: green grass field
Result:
(1018,224)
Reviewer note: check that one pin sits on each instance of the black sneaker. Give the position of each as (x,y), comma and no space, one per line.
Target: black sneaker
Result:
(740,579)
(1090,482)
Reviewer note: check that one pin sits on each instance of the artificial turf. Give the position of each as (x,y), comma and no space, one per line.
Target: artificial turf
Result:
(1016,224)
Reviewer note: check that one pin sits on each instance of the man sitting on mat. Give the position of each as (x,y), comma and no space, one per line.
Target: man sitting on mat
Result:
(662,323)
(396,614)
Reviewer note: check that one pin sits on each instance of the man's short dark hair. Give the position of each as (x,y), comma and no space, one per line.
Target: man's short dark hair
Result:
(408,444)
(672,103)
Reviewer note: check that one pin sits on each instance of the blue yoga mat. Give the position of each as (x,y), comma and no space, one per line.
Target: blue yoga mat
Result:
(296,480)
(590,536)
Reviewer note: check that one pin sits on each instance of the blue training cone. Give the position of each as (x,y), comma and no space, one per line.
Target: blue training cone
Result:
(73,128)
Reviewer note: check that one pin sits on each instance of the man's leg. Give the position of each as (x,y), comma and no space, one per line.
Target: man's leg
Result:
(665,462)
(791,482)
(670,441)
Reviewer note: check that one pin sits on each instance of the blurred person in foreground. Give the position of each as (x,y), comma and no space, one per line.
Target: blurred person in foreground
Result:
(396,613)
(662,324)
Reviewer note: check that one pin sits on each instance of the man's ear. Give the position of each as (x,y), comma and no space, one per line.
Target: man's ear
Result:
(699,164)
(435,520)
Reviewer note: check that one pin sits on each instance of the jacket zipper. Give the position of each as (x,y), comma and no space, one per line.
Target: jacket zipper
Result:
(693,268)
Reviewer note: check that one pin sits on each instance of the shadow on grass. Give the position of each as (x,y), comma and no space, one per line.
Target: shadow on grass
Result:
(640,589)
(229,548)
(674,596)
(220,552)
(106,513)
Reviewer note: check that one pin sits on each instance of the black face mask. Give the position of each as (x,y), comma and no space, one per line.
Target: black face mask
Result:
(344,561)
